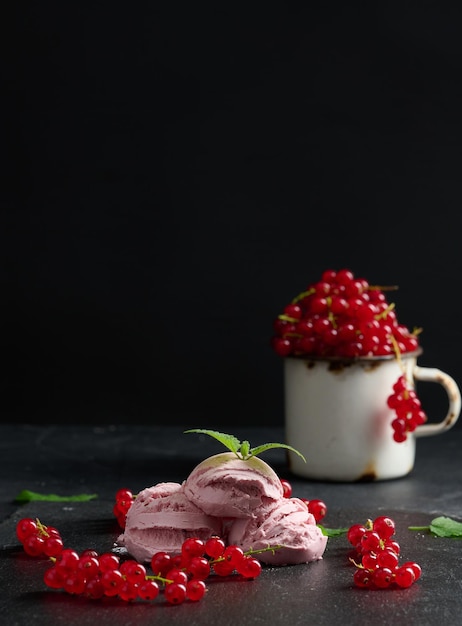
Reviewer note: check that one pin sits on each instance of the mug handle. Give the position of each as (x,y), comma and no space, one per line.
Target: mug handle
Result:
(431,374)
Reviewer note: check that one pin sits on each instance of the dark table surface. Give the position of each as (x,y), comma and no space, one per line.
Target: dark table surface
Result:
(68,460)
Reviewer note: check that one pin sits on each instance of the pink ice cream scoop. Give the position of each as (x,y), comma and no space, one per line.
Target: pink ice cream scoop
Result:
(286,523)
(161,518)
(226,486)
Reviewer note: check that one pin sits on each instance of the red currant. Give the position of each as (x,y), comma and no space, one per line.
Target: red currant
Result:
(192,547)
(382,577)
(384,526)
(355,533)
(25,527)
(404,576)
(249,567)
(148,590)
(318,509)
(199,567)
(286,488)
(161,562)
(175,593)
(195,590)
(214,547)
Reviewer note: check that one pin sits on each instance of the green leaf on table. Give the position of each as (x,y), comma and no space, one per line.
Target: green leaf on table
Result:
(442,527)
(32,496)
(332,532)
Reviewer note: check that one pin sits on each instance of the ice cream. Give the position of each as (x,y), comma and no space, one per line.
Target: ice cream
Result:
(286,523)
(161,518)
(227,486)
(240,500)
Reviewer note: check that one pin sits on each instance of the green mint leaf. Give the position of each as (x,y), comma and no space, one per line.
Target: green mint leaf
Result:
(267,446)
(245,447)
(332,532)
(442,527)
(446,527)
(242,450)
(31,496)
(229,441)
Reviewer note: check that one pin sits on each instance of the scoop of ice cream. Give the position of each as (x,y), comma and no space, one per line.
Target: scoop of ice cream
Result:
(286,523)
(161,518)
(226,486)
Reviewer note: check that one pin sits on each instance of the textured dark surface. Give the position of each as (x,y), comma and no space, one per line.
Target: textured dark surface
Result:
(70,460)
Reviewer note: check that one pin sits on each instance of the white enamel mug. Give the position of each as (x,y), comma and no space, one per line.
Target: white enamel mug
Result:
(336,415)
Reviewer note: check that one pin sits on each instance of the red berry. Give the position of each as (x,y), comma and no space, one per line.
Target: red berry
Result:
(382,577)
(404,576)
(195,590)
(362,578)
(53,546)
(281,345)
(161,562)
(112,581)
(74,582)
(192,547)
(371,541)
(25,527)
(415,568)
(94,589)
(175,593)
(199,567)
(89,565)
(176,575)
(355,533)
(384,526)
(223,568)
(387,558)
(369,560)
(293,310)
(34,545)
(392,545)
(233,554)
(108,561)
(286,488)
(249,567)
(133,571)
(148,590)
(128,591)
(53,578)
(318,509)
(214,547)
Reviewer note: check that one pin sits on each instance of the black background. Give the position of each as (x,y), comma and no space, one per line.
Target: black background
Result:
(171,178)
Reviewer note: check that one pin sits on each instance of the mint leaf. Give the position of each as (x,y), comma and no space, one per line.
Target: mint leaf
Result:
(229,441)
(268,446)
(241,449)
(31,496)
(332,532)
(442,527)
(446,527)
(245,447)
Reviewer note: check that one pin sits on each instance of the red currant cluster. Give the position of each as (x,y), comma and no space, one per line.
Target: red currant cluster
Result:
(342,316)
(377,556)
(200,559)
(408,409)
(37,539)
(123,501)
(316,507)
(95,576)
